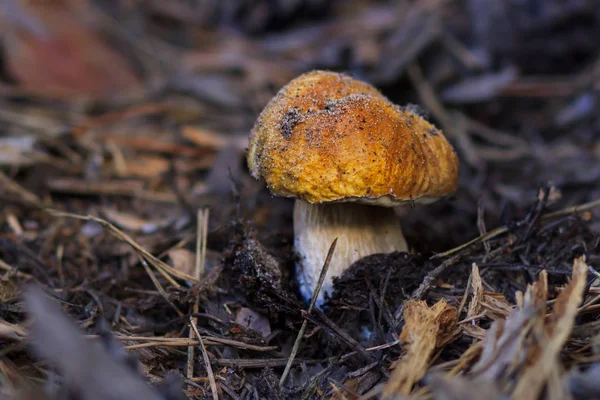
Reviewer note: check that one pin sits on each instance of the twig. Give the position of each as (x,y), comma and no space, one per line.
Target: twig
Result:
(209,371)
(490,235)
(572,210)
(288,366)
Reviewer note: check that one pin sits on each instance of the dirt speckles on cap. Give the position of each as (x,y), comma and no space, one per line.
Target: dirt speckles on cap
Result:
(290,119)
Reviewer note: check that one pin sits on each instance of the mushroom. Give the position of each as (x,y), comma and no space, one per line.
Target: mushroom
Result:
(348,155)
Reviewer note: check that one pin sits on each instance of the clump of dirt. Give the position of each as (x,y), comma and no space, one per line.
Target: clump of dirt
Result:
(257,274)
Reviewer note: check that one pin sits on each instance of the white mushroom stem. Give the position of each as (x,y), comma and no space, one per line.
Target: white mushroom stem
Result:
(361,230)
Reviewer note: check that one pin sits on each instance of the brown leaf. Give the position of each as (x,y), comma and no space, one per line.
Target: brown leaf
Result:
(144,166)
(183,260)
(426,329)
(251,319)
(203,137)
(54,50)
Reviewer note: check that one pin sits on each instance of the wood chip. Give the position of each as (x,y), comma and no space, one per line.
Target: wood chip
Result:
(503,344)
(558,329)
(426,329)
(483,305)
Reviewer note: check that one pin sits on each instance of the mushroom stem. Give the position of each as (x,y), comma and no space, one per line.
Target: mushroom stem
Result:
(361,230)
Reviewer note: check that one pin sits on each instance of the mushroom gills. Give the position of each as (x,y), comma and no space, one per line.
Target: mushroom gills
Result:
(361,230)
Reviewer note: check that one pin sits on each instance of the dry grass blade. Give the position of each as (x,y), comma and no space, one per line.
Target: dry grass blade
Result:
(490,235)
(7,185)
(426,329)
(209,371)
(164,269)
(201,234)
(288,366)
(572,210)
(565,309)
(182,342)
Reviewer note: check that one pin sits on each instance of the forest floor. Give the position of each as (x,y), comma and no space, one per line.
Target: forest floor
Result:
(125,196)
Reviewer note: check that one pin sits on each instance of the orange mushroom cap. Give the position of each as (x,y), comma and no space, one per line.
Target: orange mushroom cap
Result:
(326,137)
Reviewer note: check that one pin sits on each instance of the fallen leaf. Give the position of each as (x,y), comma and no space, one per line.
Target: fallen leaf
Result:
(144,166)
(426,329)
(249,318)
(134,223)
(183,260)
(203,137)
(53,50)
